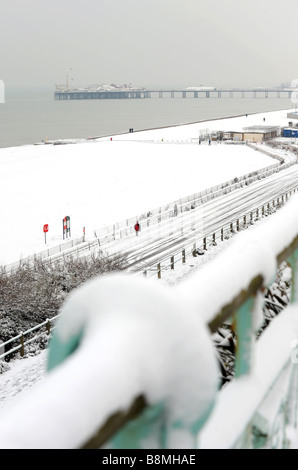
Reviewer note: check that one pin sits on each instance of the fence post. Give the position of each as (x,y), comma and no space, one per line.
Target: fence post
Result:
(213,237)
(237,223)
(48,326)
(172,262)
(183,256)
(243,320)
(194,249)
(231,227)
(22,350)
(222,234)
(158,271)
(263,210)
(204,244)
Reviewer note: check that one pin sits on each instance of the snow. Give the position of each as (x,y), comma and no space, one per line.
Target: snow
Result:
(97,183)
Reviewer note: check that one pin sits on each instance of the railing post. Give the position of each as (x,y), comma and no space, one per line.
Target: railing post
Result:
(158,271)
(222,234)
(293,261)
(194,249)
(237,223)
(183,256)
(172,262)
(22,350)
(245,337)
(204,244)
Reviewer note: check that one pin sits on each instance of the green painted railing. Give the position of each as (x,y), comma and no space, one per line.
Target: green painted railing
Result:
(244,405)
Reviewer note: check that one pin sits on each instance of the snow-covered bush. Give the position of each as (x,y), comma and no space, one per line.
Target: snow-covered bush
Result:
(33,293)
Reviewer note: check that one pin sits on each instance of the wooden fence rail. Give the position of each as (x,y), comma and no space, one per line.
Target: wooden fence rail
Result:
(47,326)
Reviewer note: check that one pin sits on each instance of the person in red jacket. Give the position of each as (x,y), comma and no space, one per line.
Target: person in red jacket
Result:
(137,228)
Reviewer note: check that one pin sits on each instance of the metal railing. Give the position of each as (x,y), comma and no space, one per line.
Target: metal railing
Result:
(125,227)
(200,245)
(49,252)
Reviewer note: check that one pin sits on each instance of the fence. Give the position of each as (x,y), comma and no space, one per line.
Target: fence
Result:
(8,347)
(200,246)
(54,250)
(125,227)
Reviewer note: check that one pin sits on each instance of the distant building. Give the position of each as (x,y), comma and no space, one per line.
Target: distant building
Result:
(290,132)
(252,134)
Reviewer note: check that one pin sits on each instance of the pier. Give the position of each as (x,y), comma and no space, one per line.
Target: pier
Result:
(167,93)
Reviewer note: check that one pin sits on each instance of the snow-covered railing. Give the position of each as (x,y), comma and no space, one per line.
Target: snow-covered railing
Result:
(27,337)
(141,370)
(125,227)
(49,252)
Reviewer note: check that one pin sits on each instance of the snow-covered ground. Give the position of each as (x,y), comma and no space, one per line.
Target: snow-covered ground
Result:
(99,182)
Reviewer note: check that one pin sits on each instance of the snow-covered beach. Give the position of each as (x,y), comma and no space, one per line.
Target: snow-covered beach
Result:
(99,182)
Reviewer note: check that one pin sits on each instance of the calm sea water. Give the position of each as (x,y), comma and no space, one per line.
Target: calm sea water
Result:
(28,117)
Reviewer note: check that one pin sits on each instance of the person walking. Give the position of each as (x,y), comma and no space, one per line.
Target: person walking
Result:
(137,228)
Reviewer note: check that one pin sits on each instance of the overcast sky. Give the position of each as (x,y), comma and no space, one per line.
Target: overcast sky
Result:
(149,43)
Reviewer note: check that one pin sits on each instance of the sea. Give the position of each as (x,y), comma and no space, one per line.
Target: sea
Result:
(30,116)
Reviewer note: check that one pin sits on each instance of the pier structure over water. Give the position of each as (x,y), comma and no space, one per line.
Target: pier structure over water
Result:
(167,93)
